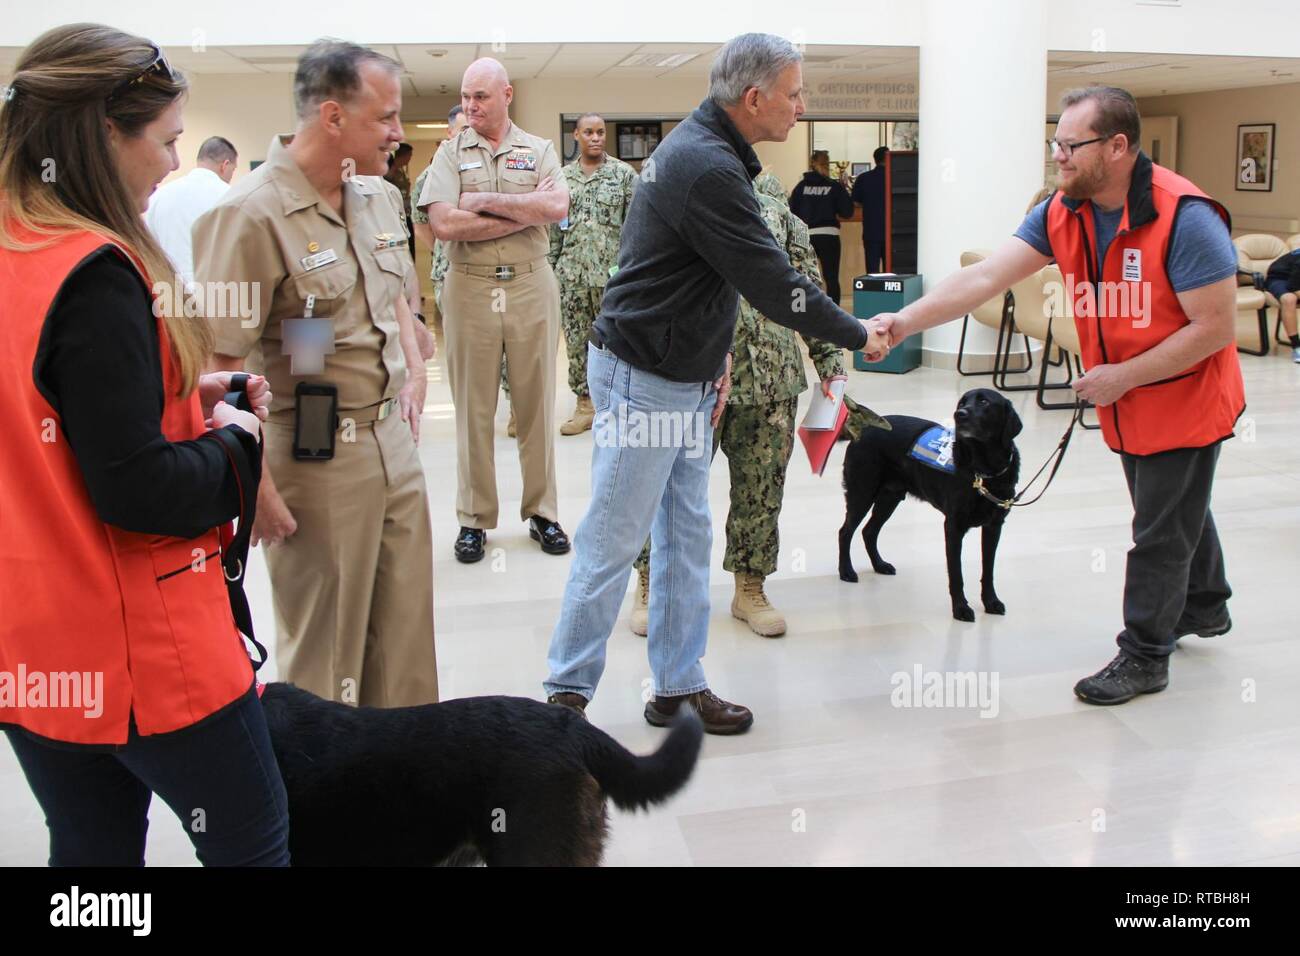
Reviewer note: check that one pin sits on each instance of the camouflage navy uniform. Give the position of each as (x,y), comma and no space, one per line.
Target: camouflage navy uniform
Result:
(757,431)
(584,248)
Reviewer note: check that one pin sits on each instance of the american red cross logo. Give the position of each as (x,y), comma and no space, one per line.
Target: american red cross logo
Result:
(1132,257)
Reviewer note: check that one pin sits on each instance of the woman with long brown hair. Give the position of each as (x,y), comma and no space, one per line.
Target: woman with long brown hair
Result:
(120,471)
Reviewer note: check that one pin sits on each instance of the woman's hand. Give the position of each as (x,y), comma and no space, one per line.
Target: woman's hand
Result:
(224,415)
(214,386)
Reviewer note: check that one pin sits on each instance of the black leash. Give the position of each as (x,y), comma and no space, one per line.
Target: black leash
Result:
(234,555)
(1058,454)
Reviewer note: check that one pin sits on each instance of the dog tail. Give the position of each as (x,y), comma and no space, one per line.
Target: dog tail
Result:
(634,782)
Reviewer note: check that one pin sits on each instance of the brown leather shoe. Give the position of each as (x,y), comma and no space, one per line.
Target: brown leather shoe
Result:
(717,715)
(572,701)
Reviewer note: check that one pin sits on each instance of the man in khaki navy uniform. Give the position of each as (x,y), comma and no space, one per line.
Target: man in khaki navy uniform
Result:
(347,540)
(490,195)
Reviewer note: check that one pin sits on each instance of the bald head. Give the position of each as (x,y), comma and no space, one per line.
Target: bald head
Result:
(485,95)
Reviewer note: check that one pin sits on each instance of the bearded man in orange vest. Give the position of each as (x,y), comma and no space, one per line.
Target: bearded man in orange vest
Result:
(1150,269)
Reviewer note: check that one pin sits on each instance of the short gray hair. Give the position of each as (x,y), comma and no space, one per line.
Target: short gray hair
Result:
(331,70)
(751,59)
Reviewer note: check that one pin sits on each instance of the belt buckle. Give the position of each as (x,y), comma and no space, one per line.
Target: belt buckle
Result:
(386,408)
(505,272)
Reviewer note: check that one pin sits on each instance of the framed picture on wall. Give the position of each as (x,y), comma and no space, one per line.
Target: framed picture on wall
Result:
(1255,157)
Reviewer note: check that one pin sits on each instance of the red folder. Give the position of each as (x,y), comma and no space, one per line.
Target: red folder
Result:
(818,442)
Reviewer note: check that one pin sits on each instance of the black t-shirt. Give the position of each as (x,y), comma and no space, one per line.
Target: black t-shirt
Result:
(98,366)
(819,200)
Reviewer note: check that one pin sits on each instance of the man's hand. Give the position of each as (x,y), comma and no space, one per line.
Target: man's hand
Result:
(426,341)
(411,398)
(879,338)
(472,202)
(1103,384)
(214,385)
(723,385)
(826,384)
(274,523)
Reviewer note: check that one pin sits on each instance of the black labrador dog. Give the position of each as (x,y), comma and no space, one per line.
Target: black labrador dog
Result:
(882,467)
(498,780)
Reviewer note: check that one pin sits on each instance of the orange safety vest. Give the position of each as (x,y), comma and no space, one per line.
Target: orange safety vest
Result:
(1138,309)
(84,604)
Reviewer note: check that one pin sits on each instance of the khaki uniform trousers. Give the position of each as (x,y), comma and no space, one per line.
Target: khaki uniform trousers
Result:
(486,317)
(353,586)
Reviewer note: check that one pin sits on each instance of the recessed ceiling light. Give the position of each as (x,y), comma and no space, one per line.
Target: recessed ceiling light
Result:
(436,53)
(430,125)
(658,60)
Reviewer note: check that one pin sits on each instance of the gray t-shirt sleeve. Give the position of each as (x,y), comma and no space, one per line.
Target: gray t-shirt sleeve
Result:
(1200,249)
(1034,229)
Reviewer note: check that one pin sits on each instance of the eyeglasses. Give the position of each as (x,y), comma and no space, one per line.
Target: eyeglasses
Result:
(159,67)
(1067,149)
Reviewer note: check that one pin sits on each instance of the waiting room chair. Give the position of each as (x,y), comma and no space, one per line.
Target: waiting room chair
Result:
(1031,308)
(1063,335)
(1255,253)
(994,314)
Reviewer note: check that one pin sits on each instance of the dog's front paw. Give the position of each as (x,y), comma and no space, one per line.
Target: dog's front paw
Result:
(848,574)
(993,606)
(884,567)
(963,612)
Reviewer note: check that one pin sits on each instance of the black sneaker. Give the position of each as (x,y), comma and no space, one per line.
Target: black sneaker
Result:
(469,545)
(548,534)
(1214,630)
(1123,679)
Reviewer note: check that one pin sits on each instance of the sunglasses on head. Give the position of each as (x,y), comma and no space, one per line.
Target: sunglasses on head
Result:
(159,67)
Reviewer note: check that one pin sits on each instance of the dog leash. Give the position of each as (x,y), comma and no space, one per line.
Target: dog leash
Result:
(1058,456)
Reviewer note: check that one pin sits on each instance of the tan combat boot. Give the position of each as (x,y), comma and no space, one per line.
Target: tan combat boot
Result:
(640,621)
(752,606)
(582,418)
(511,430)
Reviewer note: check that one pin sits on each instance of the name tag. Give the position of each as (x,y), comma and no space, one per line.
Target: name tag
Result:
(521,161)
(477,164)
(319,259)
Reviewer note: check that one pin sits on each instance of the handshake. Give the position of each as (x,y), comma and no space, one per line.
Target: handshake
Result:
(883,332)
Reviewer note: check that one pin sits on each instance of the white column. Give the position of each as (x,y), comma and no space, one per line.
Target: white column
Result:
(982,113)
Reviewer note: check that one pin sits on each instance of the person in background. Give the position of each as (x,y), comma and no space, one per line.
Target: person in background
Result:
(584,249)
(399,175)
(177,204)
(822,202)
(869,193)
(492,193)
(1283,282)
(1163,375)
(120,467)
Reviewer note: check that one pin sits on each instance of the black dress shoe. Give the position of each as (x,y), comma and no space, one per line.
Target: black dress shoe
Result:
(469,545)
(1123,679)
(548,534)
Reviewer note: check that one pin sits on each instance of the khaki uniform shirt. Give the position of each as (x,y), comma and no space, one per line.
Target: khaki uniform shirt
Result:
(266,230)
(468,163)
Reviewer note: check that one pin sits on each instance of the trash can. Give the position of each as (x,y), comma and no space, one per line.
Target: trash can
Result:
(873,295)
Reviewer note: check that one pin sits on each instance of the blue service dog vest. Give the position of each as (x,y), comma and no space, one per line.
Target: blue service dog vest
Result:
(934,448)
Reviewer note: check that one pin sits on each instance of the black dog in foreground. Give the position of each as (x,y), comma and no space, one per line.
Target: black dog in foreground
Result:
(912,458)
(500,780)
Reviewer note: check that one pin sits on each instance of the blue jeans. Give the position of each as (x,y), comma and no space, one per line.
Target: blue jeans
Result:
(649,475)
(96,802)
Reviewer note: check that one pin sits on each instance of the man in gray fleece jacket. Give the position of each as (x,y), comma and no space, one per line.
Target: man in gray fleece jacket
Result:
(659,372)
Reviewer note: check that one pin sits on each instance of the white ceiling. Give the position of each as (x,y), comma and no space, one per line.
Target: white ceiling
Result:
(435,69)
